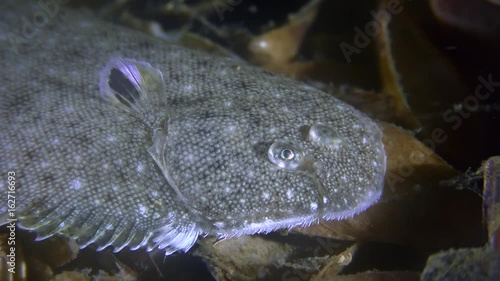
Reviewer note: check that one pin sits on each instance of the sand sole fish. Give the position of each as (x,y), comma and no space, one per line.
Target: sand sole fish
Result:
(118,138)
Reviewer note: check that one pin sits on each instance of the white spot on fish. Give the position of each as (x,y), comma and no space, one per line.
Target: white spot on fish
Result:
(142,209)
(219,224)
(140,168)
(231,129)
(307,87)
(314,206)
(111,138)
(343,178)
(77,158)
(69,109)
(289,194)
(188,88)
(265,195)
(190,158)
(75,184)
(340,107)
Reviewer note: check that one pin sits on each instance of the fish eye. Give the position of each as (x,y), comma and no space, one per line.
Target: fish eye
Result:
(286,155)
(325,136)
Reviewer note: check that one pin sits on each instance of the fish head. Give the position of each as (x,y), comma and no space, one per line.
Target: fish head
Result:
(277,154)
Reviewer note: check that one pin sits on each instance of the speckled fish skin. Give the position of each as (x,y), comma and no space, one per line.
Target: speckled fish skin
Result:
(118,138)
